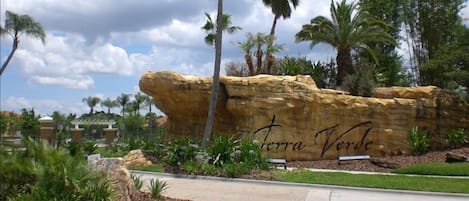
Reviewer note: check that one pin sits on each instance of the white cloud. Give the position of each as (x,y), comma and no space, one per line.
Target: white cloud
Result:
(41,106)
(67,60)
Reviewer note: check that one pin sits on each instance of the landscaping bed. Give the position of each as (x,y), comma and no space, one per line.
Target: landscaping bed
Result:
(368,166)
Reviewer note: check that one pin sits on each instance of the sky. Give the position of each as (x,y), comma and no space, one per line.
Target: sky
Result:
(102,47)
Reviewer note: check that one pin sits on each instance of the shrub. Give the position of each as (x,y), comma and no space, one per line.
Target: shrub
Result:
(361,83)
(89,147)
(456,138)
(251,154)
(43,173)
(419,141)
(235,169)
(157,187)
(180,151)
(222,150)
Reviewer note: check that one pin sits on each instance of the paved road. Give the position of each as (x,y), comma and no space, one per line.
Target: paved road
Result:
(216,189)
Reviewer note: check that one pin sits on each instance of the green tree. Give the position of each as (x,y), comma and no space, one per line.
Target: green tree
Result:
(3,123)
(139,100)
(389,71)
(109,103)
(280,8)
(148,101)
(210,28)
(16,26)
(216,78)
(91,102)
(29,123)
(123,99)
(349,28)
(429,24)
(450,66)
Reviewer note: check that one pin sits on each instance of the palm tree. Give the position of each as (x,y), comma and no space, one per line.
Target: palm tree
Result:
(210,28)
(347,30)
(148,101)
(247,47)
(280,8)
(91,102)
(109,103)
(16,26)
(139,99)
(123,99)
(216,78)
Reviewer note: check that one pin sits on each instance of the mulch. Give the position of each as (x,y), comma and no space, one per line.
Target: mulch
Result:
(368,166)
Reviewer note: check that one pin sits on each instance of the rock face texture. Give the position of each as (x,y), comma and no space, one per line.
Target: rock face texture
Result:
(293,119)
(117,173)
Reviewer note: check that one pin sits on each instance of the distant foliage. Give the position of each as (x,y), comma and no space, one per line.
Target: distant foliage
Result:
(419,141)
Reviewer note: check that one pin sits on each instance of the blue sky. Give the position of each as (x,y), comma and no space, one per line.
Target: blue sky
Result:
(102,47)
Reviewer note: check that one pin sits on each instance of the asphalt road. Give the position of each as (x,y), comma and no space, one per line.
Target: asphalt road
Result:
(222,189)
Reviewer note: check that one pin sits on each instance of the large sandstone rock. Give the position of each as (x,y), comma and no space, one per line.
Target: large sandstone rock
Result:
(117,173)
(293,119)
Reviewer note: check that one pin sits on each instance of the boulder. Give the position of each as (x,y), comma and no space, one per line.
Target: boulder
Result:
(136,158)
(293,119)
(117,173)
(452,157)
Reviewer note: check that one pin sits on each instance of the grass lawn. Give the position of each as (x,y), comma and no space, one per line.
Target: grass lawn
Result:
(151,168)
(444,169)
(374,181)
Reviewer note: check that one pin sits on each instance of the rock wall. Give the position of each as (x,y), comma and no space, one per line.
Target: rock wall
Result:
(293,119)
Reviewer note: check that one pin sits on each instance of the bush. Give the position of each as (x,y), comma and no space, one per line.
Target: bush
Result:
(43,173)
(235,169)
(419,141)
(251,154)
(222,150)
(456,138)
(180,151)
(361,83)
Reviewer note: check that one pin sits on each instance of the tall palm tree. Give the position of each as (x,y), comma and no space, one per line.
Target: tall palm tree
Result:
(139,99)
(109,103)
(210,28)
(347,30)
(16,26)
(123,99)
(280,8)
(91,102)
(216,78)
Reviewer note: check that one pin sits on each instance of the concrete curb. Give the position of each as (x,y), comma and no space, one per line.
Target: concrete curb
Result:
(278,183)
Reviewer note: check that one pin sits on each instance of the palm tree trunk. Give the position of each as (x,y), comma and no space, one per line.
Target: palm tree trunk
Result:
(216,78)
(7,61)
(259,55)
(344,65)
(269,44)
(248,59)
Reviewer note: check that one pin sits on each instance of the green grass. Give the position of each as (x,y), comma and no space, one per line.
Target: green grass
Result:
(151,168)
(443,169)
(375,181)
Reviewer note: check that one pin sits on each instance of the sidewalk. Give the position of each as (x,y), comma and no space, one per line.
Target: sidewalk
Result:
(206,188)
